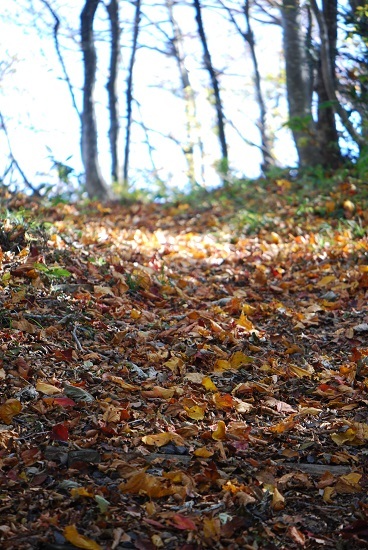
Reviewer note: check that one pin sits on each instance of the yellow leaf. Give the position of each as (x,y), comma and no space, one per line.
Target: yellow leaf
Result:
(162,439)
(328,493)
(343,437)
(211,528)
(220,431)
(244,322)
(174,364)
(222,364)
(47,389)
(10,408)
(208,384)
(325,281)
(349,484)
(135,314)
(299,372)
(203,452)
(248,309)
(71,534)
(278,501)
(239,359)
(196,412)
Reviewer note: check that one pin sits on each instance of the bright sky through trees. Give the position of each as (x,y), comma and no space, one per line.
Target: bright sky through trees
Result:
(42,123)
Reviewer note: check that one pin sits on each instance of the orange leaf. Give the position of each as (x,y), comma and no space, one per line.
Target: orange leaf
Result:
(157,391)
(220,432)
(284,426)
(224,401)
(196,412)
(10,408)
(71,534)
(147,484)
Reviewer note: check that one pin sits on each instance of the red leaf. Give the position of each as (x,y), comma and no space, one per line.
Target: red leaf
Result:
(64,402)
(184,523)
(60,432)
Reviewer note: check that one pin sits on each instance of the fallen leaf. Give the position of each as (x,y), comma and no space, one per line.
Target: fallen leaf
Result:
(220,432)
(183,523)
(9,409)
(278,501)
(71,534)
(162,439)
(47,389)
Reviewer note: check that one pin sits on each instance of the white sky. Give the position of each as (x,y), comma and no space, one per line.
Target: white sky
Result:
(36,104)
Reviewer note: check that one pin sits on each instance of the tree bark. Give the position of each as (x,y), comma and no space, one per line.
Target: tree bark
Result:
(129,91)
(268,160)
(192,123)
(95,184)
(214,81)
(299,83)
(111,86)
(326,124)
(327,75)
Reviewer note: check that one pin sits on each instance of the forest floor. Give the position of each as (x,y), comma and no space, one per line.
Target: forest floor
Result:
(186,377)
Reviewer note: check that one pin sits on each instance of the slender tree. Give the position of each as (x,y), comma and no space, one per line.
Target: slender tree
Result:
(214,81)
(192,123)
(248,37)
(111,86)
(95,184)
(129,90)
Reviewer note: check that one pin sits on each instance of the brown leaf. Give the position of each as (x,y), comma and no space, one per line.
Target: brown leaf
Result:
(9,409)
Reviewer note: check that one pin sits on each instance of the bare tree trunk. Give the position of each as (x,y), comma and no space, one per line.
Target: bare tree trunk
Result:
(326,125)
(95,185)
(299,82)
(129,91)
(268,159)
(111,86)
(192,124)
(327,72)
(214,81)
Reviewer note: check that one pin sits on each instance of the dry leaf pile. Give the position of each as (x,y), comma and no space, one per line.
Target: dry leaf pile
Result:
(165,384)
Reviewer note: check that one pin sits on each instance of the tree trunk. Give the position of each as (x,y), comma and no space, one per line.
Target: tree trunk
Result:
(192,124)
(326,125)
(268,160)
(327,72)
(214,81)
(113,13)
(129,91)
(299,83)
(95,185)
